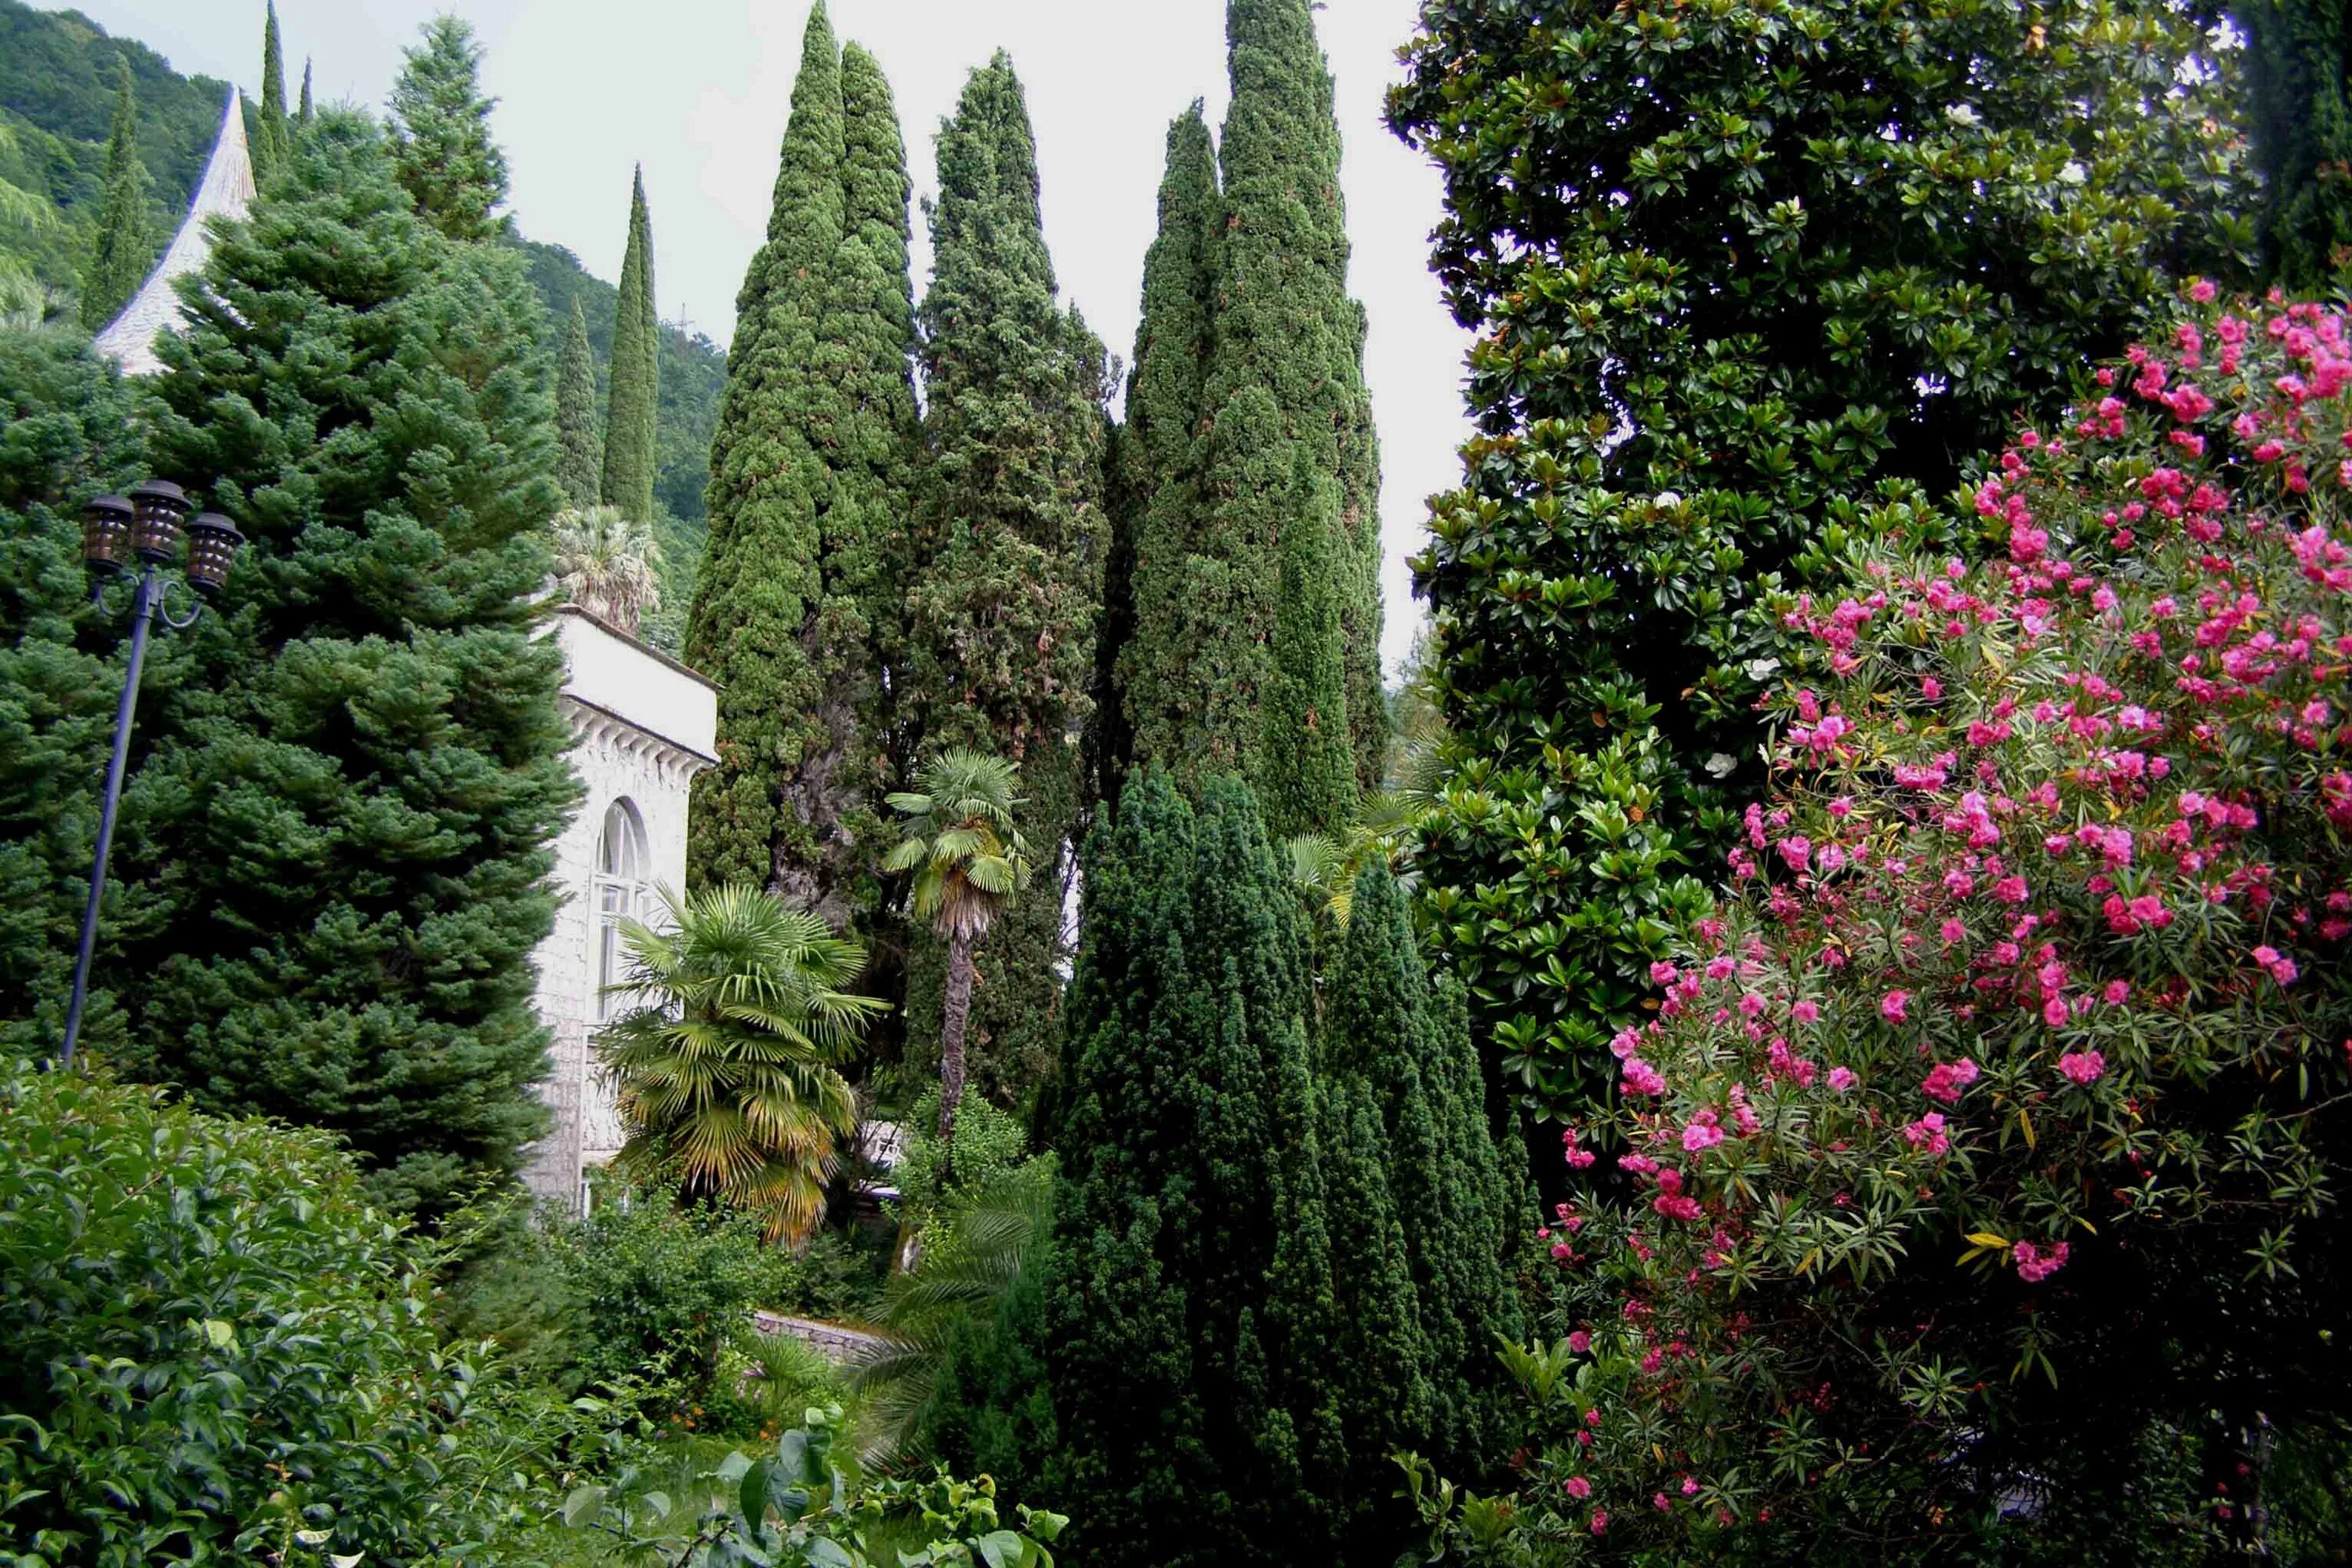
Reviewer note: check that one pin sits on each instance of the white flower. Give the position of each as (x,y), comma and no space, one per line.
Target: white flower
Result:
(1667,498)
(1963,114)
(2074,173)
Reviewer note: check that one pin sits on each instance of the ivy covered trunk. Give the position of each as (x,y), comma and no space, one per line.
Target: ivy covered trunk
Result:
(954,1016)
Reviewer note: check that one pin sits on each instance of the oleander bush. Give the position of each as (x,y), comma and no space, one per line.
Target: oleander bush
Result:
(1973,1195)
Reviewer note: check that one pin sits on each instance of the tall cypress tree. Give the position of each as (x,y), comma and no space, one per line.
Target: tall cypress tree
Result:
(124,251)
(1308,759)
(635,391)
(1153,499)
(1284,373)
(797,609)
(1011,542)
(337,835)
(271,144)
(579,458)
(1189,1306)
(2299,69)
(302,115)
(441,134)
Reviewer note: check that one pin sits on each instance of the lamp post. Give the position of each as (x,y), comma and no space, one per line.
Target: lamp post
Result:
(140,533)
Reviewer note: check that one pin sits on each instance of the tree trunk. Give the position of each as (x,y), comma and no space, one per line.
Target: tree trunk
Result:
(957,1012)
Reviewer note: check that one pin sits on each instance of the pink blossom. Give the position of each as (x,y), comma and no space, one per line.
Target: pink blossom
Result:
(2035,1264)
(1893,1005)
(1600,1521)
(1842,1079)
(2083,1067)
(1579,1341)
(2201,290)
(1947,1079)
(1578,1487)
(1805,1012)
(1663,972)
(1929,1133)
(2118,992)
(1702,1133)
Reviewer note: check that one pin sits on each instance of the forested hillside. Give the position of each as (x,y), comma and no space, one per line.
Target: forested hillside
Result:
(58,78)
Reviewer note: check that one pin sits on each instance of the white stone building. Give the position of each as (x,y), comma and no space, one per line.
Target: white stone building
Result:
(645,725)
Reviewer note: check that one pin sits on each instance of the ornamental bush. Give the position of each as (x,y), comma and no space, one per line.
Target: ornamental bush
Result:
(212,1351)
(1973,1195)
(1751,280)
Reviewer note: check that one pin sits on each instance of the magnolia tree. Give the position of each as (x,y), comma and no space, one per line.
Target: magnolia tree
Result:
(1977,1179)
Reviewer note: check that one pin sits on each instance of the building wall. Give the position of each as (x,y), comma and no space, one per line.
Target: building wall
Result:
(617,758)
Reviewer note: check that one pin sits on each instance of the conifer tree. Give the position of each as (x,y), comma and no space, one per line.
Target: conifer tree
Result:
(1010,544)
(580,456)
(73,431)
(1153,499)
(441,134)
(270,144)
(1405,1043)
(1284,373)
(119,259)
(1189,1307)
(635,390)
(302,115)
(349,777)
(797,607)
(1308,767)
(2299,70)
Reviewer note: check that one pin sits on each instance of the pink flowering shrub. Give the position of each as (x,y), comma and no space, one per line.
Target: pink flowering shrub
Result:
(1992,1135)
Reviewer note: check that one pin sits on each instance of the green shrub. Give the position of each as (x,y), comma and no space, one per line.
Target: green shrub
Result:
(662,1290)
(211,1349)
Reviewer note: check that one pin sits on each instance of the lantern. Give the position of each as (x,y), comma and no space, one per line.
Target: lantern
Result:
(158,507)
(212,545)
(106,533)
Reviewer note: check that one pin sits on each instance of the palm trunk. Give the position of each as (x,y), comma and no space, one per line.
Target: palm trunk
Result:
(952,1025)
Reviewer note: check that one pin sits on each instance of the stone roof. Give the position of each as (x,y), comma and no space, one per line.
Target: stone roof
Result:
(225,191)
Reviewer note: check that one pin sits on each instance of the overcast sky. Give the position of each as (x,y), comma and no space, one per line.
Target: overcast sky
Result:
(699,91)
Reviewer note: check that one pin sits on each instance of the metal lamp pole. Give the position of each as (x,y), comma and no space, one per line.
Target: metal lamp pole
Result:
(148,526)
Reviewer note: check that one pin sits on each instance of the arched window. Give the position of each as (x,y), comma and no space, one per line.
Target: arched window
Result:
(621,894)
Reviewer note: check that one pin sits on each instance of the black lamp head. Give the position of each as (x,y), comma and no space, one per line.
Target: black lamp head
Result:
(212,546)
(106,533)
(159,507)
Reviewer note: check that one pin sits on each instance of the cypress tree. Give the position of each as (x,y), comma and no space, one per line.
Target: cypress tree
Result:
(124,251)
(1192,1289)
(1405,1044)
(1010,544)
(797,608)
(1309,768)
(580,458)
(2298,65)
(337,831)
(634,392)
(441,134)
(1284,373)
(302,115)
(1153,499)
(270,144)
(761,578)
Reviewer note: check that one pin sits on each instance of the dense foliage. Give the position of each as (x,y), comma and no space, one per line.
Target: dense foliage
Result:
(1751,281)
(816,422)
(1250,539)
(1233,1329)
(347,775)
(1008,553)
(1986,1145)
(634,385)
(67,432)
(216,1351)
(2299,102)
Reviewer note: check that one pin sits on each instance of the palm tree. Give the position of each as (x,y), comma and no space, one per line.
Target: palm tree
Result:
(608,565)
(727,1077)
(968,861)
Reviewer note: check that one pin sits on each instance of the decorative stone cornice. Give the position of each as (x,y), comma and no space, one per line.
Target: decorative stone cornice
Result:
(602,731)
